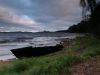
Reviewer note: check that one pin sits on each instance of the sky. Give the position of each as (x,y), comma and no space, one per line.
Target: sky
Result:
(38,15)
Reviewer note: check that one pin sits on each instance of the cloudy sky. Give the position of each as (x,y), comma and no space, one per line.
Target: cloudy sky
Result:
(38,15)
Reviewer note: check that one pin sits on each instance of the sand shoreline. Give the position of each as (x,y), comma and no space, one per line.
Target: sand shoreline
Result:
(4,63)
(7,57)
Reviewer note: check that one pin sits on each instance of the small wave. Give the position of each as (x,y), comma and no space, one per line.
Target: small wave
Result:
(7,57)
(22,39)
(4,41)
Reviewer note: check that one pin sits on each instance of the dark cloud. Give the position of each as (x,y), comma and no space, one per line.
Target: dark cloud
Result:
(40,14)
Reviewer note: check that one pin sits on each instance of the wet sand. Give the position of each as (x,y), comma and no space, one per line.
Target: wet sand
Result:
(4,63)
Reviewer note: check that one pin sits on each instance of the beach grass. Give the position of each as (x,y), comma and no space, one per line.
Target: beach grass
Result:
(58,63)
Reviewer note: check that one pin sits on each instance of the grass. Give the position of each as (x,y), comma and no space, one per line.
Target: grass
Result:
(58,63)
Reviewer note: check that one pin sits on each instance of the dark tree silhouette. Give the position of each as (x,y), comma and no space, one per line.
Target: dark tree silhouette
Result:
(88,6)
(92,24)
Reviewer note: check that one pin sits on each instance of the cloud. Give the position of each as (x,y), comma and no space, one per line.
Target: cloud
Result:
(40,14)
(58,25)
(9,15)
(26,3)
(18,22)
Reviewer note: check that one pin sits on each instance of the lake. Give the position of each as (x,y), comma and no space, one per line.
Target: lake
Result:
(11,40)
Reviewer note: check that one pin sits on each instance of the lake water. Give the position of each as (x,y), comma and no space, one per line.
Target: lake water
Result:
(12,40)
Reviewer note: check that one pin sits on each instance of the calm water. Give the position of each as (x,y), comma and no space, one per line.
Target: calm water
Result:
(13,40)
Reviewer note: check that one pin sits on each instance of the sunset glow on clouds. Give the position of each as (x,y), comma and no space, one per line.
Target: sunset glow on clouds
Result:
(9,15)
(38,15)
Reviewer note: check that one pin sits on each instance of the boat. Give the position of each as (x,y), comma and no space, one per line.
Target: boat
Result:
(35,51)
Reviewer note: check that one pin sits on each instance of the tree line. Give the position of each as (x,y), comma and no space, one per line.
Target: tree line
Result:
(90,22)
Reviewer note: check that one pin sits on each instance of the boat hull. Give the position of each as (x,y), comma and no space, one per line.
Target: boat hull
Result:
(35,51)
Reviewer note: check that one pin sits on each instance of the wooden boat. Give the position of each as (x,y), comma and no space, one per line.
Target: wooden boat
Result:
(35,51)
